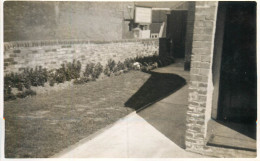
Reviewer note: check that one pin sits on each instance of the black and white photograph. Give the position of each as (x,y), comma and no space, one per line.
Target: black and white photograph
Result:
(129,79)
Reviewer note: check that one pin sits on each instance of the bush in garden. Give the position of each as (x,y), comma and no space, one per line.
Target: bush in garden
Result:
(119,66)
(72,70)
(35,77)
(51,77)
(14,80)
(66,72)
(60,74)
(111,64)
(109,69)
(26,93)
(93,70)
(8,95)
(98,69)
(128,63)
(89,69)
(29,77)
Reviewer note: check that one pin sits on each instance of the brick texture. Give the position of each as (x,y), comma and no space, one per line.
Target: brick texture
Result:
(200,87)
(201,62)
(51,54)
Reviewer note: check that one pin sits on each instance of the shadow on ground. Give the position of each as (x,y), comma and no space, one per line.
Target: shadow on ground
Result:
(157,87)
(162,102)
(245,129)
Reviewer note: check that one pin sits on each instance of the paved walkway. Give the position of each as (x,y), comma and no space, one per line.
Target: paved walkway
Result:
(154,132)
(169,114)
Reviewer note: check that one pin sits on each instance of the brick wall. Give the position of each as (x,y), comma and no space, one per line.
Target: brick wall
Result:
(51,54)
(200,76)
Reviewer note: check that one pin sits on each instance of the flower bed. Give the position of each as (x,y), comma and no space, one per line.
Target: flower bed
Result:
(22,82)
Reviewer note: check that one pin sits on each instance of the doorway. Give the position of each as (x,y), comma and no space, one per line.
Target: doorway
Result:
(234,105)
(238,84)
(176,31)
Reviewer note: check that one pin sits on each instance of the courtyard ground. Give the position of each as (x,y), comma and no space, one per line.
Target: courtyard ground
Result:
(45,124)
(155,131)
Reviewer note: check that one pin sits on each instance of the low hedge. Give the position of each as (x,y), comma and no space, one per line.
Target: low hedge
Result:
(68,71)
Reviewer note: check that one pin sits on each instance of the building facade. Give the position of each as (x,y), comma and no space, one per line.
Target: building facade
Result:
(222,92)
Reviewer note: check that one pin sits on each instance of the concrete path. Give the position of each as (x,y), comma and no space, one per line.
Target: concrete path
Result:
(130,137)
(155,132)
(169,114)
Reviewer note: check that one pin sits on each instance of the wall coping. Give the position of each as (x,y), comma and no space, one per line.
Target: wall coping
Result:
(38,43)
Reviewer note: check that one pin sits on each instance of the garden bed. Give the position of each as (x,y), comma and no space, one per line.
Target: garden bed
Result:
(71,105)
(42,125)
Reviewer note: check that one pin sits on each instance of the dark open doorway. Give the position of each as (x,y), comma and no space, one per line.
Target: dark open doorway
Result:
(176,31)
(234,105)
(238,85)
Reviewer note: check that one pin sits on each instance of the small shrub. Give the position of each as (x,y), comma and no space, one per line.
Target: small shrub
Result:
(93,70)
(89,69)
(111,64)
(15,80)
(119,67)
(52,77)
(66,72)
(110,67)
(72,70)
(10,96)
(26,93)
(98,69)
(128,63)
(107,71)
(35,77)
(60,75)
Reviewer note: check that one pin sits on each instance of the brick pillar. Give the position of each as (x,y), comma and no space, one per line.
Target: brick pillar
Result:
(200,89)
(189,34)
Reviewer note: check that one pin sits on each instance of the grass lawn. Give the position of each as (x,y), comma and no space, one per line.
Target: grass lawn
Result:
(43,125)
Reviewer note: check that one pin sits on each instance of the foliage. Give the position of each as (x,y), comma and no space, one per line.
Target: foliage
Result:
(110,67)
(81,80)
(66,72)
(26,93)
(128,63)
(26,79)
(111,64)
(93,70)
(35,77)
(72,70)
(39,76)
(119,67)
(98,69)
(8,95)
(89,69)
